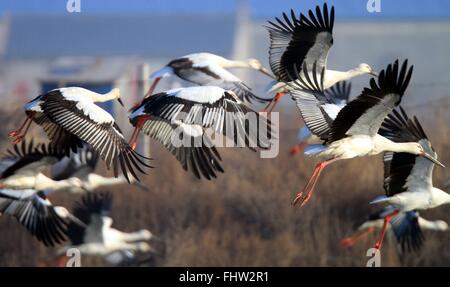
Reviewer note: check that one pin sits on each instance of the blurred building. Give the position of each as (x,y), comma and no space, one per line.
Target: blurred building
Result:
(42,52)
(39,52)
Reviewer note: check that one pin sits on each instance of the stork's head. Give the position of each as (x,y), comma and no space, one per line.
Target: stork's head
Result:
(366,68)
(145,234)
(418,149)
(116,93)
(441,225)
(256,64)
(143,247)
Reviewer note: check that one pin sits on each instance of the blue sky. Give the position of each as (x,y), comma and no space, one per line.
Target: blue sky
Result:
(436,9)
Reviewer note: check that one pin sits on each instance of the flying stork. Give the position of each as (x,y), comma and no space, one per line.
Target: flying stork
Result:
(353,130)
(32,208)
(206,69)
(304,40)
(69,116)
(340,93)
(22,167)
(96,237)
(179,118)
(82,165)
(407,177)
(406,226)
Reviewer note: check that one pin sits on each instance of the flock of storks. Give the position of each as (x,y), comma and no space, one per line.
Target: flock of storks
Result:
(186,121)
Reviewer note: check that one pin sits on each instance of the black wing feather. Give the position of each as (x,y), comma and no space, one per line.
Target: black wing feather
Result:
(40,220)
(291,41)
(389,83)
(99,136)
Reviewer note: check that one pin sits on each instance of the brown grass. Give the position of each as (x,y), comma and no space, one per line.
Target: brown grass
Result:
(244,218)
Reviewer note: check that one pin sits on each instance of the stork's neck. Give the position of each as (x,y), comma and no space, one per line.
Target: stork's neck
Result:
(383,144)
(44,182)
(234,64)
(112,95)
(95,181)
(432,225)
(134,236)
(332,76)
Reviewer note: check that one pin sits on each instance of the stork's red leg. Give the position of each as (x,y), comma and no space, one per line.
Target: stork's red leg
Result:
(278,97)
(139,123)
(297,148)
(348,242)
(26,125)
(271,105)
(304,196)
(134,136)
(15,133)
(387,218)
(152,87)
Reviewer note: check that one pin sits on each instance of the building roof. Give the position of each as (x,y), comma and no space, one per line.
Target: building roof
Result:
(50,36)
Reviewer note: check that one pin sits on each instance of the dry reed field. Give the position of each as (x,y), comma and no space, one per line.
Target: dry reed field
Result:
(245,216)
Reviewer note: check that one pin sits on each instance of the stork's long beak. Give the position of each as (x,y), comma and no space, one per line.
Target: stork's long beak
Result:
(373,73)
(120,101)
(427,156)
(266,72)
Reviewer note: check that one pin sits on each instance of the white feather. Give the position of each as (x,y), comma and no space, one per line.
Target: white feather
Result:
(85,103)
(202,94)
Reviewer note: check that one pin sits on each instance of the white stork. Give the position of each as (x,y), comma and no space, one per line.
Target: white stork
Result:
(339,93)
(406,226)
(22,168)
(353,130)
(178,119)
(69,116)
(48,223)
(407,177)
(206,69)
(301,40)
(96,237)
(82,165)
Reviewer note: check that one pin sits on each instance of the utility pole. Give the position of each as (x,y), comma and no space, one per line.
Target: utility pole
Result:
(145,75)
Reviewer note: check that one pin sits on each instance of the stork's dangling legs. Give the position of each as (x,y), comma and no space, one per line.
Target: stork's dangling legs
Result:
(348,242)
(271,105)
(134,136)
(140,122)
(297,148)
(148,93)
(15,133)
(387,218)
(304,196)
(152,87)
(25,126)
